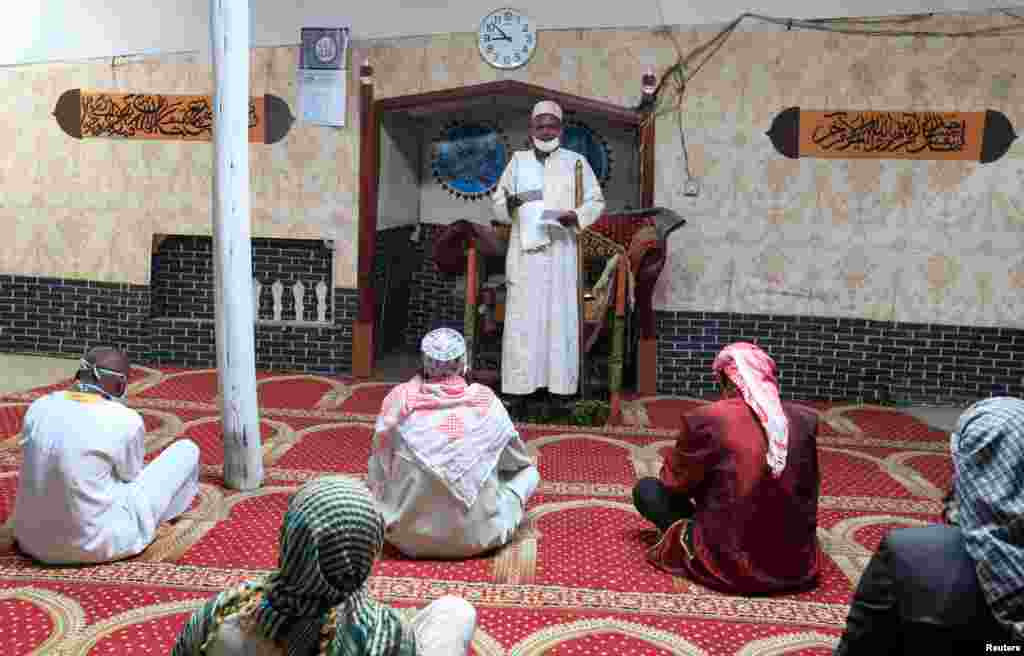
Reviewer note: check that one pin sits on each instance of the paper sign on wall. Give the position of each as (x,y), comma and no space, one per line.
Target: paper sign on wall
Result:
(322,97)
(322,75)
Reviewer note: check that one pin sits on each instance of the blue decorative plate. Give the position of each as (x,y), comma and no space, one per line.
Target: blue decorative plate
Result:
(468,158)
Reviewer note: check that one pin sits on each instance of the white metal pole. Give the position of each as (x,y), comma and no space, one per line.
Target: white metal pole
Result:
(236,339)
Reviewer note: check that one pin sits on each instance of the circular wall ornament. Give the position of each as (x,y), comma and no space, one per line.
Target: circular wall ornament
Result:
(326,49)
(468,158)
(580,138)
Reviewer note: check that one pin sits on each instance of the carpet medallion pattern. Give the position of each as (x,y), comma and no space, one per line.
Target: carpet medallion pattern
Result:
(572,582)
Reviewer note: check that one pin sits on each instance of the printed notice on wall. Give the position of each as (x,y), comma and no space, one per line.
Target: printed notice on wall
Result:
(322,75)
(322,96)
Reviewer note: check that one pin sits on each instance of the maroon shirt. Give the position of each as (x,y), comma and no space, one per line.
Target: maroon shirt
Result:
(751,533)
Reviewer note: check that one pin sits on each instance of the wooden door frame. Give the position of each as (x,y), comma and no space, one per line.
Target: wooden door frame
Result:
(371,112)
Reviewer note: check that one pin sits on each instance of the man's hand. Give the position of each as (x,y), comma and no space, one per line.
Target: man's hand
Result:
(513,201)
(569,219)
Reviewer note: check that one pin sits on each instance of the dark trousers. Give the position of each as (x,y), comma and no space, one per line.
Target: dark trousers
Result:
(920,595)
(660,505)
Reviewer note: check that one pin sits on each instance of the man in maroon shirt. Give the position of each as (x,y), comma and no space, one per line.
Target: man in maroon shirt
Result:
(737,499)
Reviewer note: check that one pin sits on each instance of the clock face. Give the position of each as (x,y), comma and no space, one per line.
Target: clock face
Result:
(506,39)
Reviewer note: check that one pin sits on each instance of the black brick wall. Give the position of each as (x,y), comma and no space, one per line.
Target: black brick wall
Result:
(65,317)
(818,358)
(183,276)
(431,299)
(301,348)
(846,359)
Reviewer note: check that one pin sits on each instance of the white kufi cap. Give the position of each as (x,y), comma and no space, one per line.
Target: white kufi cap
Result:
(443,345)
(547,107)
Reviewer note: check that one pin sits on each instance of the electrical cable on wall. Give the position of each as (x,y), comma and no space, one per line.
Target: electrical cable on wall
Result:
(679,74)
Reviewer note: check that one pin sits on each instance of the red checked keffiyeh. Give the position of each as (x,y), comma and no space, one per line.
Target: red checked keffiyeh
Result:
(753,372)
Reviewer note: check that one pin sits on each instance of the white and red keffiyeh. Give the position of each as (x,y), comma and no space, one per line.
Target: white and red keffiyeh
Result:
(456,431)
(754,373)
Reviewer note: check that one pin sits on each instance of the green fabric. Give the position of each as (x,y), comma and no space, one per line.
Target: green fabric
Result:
(330,537)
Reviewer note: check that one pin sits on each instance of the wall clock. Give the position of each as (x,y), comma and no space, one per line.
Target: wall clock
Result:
(506,39)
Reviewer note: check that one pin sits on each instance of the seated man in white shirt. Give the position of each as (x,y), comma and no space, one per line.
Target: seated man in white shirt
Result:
(83,494)
(448,469)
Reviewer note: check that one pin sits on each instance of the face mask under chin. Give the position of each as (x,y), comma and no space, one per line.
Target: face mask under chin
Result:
(546,146)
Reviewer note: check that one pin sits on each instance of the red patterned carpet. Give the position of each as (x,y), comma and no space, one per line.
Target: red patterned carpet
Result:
(574,581)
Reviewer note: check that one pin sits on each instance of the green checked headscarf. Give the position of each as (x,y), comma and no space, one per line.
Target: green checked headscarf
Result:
(330,536)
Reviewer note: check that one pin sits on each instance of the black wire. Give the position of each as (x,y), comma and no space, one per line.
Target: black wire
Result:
(680,73)
(822,25)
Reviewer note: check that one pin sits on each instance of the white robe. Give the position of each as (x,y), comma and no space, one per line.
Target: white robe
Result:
(540,347)
(83,493)
(444,627)
(422,517)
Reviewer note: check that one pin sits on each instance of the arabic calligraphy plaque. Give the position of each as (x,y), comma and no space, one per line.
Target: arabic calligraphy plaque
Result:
(975,136)
(89,114)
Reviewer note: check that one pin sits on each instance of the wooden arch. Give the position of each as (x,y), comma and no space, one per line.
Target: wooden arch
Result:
(371,113)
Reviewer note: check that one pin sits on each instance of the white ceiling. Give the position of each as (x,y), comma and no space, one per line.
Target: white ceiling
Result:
(64,30)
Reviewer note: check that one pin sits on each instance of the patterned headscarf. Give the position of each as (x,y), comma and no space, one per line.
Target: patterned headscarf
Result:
(330,537)
(988,456)
(444,353)
(753,372)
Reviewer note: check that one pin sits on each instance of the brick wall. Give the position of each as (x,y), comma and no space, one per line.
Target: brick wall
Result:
(322,349)
(818,358)
(66,317)
(847,359)
(183,277)
(432,302)
(53,316)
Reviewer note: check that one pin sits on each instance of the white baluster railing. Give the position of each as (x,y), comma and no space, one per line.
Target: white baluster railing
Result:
(278,290)
(298,290)
(299,294)
(321,302)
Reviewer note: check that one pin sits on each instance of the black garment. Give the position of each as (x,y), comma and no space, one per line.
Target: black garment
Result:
(920,595)
(660,505)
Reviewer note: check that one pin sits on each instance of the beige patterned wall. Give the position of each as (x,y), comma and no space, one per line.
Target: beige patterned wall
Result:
(931,242)
(907,241)
(88,209)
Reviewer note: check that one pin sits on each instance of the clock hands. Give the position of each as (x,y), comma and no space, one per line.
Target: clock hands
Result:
(504,37)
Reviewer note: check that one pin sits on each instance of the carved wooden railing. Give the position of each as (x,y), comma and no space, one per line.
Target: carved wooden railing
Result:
(639,239)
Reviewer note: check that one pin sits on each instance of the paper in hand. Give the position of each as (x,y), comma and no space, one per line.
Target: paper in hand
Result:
(550,218)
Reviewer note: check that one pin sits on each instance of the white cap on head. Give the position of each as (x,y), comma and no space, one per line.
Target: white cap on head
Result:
(443,345)
(547,107)
(444,353)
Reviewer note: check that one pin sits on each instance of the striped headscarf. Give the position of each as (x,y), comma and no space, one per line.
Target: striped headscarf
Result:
(988,457)
(330,537)
(753,372)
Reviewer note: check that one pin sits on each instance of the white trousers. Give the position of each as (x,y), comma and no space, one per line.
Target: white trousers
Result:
(166,487)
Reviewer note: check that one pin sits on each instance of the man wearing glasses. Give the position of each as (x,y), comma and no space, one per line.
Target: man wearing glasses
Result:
(83,494)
